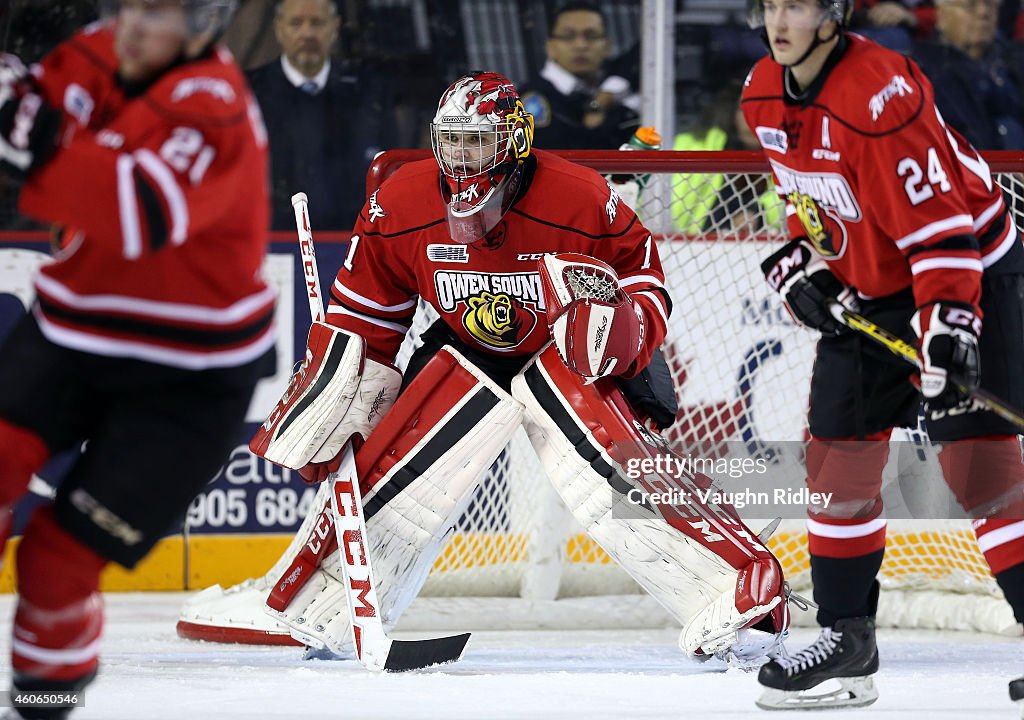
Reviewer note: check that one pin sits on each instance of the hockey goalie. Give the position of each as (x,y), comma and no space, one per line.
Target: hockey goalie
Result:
(551,303)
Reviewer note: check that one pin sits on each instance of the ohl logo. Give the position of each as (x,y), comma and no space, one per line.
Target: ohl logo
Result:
(498,320)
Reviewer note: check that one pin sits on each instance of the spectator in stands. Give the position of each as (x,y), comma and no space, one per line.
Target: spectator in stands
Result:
(326,119)
(978,77)
(702,203)
(575,104)
(895,23)
(1011,20)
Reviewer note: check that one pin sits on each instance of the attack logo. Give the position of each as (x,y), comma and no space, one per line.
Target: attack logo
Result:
(896,87)
(376,211)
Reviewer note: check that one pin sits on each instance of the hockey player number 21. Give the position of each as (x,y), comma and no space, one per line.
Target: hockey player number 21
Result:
(186,151)
(917,190)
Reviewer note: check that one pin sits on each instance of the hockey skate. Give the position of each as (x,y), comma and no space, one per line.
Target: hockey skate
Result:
(1017,693)
(835,671)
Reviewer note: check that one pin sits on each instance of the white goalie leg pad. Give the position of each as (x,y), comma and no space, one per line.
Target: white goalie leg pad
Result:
(237,613)
(335,394)
(418,471)
(698,561)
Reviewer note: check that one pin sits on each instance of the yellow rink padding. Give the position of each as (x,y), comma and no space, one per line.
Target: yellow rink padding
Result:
(162,569)
(230,559)
(226,559)
(912,557)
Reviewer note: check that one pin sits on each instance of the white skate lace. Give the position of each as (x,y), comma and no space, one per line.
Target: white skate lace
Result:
(799,600)
(816,652)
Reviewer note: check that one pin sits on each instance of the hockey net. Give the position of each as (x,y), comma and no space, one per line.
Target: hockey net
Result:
(742,374)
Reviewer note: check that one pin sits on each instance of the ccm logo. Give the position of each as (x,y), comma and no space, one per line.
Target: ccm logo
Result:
(785,266)
(323,526)
(963,318)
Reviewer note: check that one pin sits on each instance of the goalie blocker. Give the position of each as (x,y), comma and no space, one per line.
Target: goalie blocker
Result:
(421,465)
(336,393)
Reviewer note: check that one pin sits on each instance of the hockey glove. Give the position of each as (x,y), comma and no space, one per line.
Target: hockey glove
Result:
(801,276)
(29,126)
(596,327)
(947,340)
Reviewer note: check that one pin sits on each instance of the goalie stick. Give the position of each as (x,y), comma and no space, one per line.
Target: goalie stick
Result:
(902,349)
(375,650)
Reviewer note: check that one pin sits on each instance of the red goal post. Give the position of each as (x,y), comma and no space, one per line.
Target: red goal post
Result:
(742,373)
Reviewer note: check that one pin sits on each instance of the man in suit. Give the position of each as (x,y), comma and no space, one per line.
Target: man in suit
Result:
(326,118)
(576,104)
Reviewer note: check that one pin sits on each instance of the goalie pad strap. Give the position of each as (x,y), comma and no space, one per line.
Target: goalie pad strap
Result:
(418,471)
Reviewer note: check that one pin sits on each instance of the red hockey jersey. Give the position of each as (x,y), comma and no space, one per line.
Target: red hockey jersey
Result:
(872,176)
(489,292)
(161,194)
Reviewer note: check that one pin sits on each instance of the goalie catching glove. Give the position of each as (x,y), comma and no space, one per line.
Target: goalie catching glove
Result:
(337,393)
(801,276)
(948,347)
(596,327)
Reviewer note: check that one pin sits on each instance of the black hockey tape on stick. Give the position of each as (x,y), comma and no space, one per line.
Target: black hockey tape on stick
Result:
(904,350)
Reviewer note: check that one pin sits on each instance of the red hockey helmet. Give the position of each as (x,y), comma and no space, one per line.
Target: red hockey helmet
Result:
(481,134)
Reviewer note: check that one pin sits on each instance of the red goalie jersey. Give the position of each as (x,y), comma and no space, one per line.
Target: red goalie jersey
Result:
(489,292)
(872,176)
(161,195)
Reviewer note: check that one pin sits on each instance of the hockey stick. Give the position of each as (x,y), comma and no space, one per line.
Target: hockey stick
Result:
(902,349)
(375,650)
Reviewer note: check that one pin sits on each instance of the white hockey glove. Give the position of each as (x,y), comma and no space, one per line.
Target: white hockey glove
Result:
(596,327)
(801,276)
(947,340)
(334,395)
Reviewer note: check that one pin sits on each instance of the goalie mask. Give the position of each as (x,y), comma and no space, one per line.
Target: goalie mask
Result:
(480,136)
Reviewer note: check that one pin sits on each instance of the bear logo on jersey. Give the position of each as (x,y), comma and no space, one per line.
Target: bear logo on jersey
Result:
(499,321)
(818,225)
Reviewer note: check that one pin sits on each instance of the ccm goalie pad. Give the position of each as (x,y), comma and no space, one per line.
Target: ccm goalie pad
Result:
(335,394)
(697,559)
(418,471)
(596,327)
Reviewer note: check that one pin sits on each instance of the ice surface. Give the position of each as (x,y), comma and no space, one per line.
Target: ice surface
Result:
(148,673)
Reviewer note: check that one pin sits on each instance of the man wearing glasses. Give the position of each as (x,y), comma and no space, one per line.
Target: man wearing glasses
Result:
(575,105)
